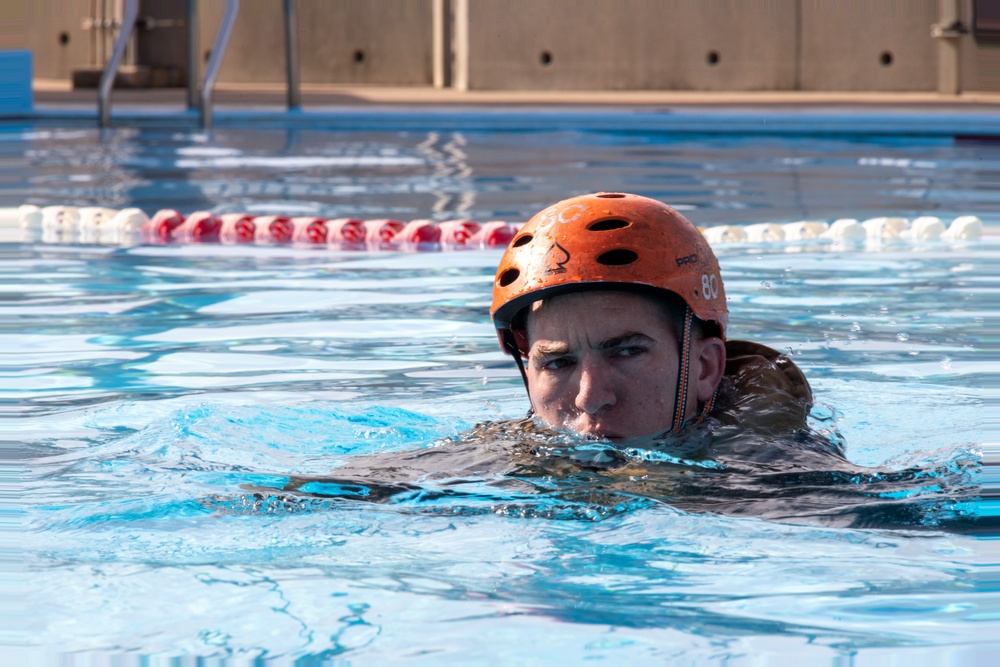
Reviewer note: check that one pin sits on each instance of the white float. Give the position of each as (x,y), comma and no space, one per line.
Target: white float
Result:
(846,229)
(127,225)
(765,232)
(924,228)
(94,225)
(725,234)
(964,228)
(804,230)
(62,219)
(885,229)
(29,217)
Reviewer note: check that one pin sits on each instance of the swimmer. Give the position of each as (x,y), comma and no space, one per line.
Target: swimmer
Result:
(614,309)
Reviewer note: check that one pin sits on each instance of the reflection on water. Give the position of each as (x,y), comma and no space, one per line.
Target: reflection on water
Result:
(486,175)
(169,396)
(154,386)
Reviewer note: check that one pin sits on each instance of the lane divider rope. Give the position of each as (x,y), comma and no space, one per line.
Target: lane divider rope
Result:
(131,226)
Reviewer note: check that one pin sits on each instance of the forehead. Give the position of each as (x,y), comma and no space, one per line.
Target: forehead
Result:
(598,311)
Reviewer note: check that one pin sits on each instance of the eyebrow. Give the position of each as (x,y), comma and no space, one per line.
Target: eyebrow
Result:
(552,349)
(625,340)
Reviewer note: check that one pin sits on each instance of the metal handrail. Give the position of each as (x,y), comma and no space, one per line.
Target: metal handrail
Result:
(215,61)
(204,98)
(111,69)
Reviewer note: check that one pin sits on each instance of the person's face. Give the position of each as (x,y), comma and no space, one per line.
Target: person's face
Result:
(603,364)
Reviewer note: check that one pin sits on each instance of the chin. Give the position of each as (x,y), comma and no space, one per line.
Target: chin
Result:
(623,439)
(611,435)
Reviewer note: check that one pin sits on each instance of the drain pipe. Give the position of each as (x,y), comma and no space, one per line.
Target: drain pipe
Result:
(460,35)
(192,55)
(292,57)
(948,31)
(442,43)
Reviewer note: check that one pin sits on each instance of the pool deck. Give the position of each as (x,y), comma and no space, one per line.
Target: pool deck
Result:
(59,93)
(378,107)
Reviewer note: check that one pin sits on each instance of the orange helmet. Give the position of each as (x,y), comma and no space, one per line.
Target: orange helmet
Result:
(604,240)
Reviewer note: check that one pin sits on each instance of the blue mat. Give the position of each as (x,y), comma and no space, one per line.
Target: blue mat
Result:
(15,83)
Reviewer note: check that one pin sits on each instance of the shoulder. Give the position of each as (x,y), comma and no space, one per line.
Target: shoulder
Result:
(762,390)
(763,368)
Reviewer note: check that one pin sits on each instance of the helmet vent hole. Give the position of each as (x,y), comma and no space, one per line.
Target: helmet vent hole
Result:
(606,225)
(522,240)
(617,257)
(611,195)
(507,277)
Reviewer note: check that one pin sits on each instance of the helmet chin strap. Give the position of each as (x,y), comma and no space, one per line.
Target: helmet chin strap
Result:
(683,370)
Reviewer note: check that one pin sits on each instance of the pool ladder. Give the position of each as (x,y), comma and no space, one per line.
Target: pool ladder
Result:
(202,100)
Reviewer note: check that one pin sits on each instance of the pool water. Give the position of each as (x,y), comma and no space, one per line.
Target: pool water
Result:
(506,175)
(152,385)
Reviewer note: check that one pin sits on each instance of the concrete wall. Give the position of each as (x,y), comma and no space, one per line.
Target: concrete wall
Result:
(52,30)
(384,42)
(982,71)
(877,45)
(13,24)
(709,45)
(630,44)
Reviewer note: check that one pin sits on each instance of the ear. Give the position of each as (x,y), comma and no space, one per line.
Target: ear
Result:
(709,366)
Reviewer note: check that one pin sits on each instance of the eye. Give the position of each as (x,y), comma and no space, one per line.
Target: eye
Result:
(555,363)
(629,351)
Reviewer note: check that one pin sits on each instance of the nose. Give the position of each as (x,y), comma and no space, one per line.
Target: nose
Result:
(594,392)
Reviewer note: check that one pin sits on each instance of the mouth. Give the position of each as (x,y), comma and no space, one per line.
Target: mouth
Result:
(597,433)
(591,429)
